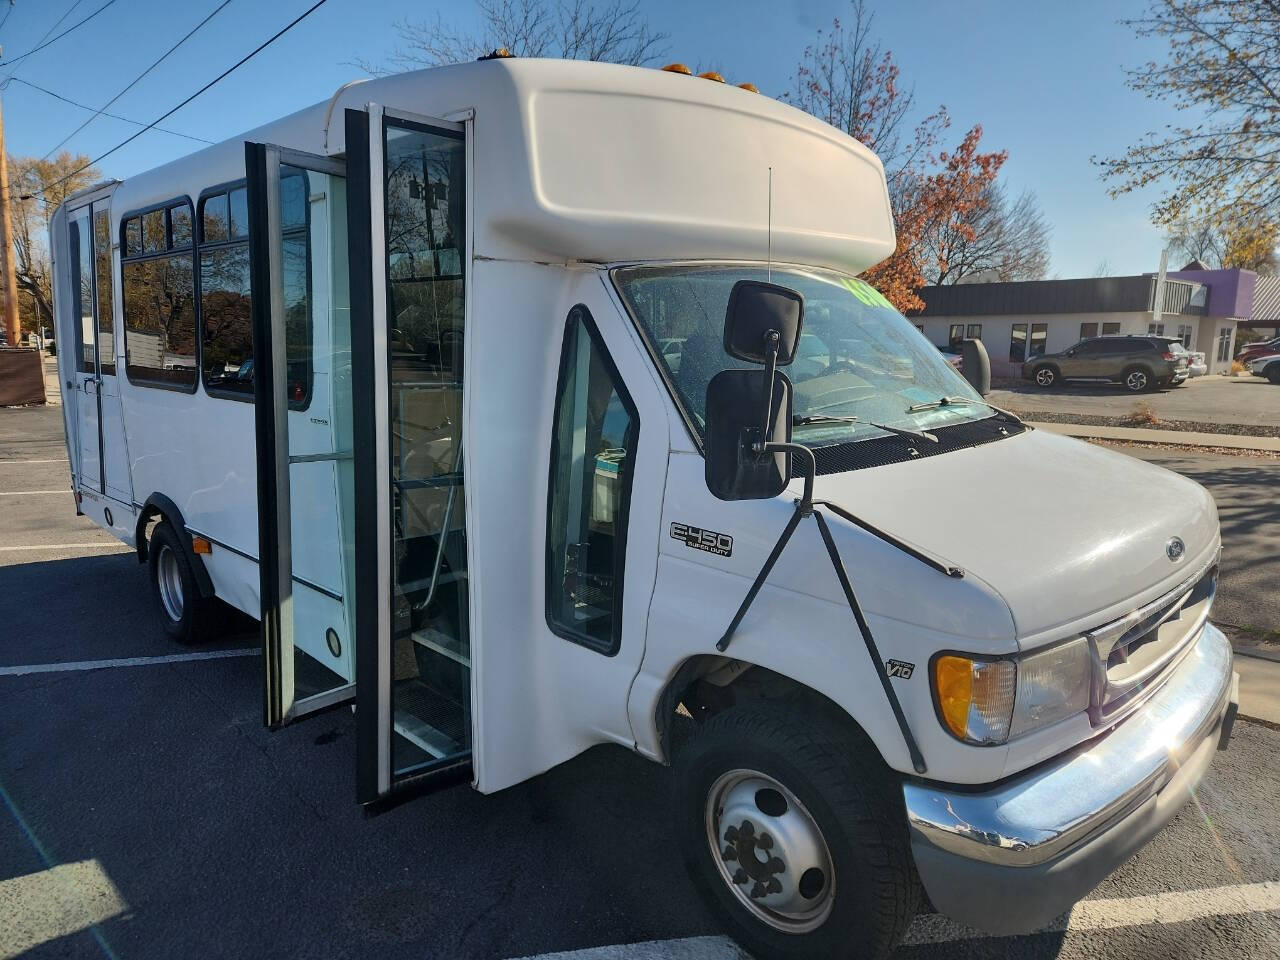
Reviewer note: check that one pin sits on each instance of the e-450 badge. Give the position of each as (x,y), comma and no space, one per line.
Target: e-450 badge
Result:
(721,544)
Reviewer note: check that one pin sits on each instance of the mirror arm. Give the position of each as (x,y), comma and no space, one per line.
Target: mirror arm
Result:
(808,469)
(772,339)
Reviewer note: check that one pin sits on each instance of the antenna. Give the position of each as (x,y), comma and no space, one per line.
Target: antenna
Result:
(769,230)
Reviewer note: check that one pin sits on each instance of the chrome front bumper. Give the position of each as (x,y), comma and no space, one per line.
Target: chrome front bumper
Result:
(1010,859)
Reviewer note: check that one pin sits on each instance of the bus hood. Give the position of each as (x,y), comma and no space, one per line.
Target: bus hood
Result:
(1064,531)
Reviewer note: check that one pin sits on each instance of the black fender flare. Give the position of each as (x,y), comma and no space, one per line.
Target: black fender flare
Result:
(160,506)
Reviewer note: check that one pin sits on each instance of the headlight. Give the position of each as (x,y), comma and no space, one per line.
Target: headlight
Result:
(987,701)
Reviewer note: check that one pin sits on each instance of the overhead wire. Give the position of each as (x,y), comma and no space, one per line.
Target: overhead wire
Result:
(164,116)
(132,83)
(47,43)
(113,116)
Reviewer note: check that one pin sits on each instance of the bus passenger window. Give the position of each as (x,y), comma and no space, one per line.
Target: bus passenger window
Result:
(159,302)
(592,455)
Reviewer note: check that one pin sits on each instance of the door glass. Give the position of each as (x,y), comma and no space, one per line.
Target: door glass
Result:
(424,193)
(317,392)
(82,288)
(102,269)
(592,452)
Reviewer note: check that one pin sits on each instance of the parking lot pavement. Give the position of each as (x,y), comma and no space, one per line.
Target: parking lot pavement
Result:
(1208,399)
(148,814)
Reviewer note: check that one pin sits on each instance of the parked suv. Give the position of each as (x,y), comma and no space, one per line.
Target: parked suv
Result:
(1138,363)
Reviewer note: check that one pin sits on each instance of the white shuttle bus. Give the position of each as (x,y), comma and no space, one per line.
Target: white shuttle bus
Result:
(532,405)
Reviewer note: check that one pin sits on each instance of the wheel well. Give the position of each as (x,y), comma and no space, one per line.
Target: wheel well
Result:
(705,685)
(157,508)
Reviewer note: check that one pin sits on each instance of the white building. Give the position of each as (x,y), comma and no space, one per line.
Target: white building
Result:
(1019,320)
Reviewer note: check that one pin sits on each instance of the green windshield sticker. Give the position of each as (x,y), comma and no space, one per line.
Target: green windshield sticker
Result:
(865,292)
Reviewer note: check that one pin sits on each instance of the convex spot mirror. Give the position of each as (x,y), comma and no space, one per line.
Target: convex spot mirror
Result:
(756,308)
(735,406)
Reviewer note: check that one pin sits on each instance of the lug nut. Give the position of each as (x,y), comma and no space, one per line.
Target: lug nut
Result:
(729,854)
(740,876)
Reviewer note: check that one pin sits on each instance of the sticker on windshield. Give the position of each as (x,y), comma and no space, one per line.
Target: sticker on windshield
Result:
(721,544)
(865,292)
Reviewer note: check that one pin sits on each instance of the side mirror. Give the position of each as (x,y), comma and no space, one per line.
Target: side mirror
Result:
(734,470)
(976,366)
(756,312)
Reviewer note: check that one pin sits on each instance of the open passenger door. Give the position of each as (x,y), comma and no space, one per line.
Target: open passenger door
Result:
(360,271)
(303,399)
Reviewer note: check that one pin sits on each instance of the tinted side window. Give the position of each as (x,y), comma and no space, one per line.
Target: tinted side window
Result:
(161,347)
(82,287)
(102,269)
(592,457)
(226,315)
(1090,347)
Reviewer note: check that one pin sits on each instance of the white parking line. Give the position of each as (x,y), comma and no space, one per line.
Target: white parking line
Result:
(1089,915)
(27,668)
(29,493)
(5,463)
(65,546)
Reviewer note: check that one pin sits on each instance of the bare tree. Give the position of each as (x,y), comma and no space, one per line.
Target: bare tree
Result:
(32,179)
(1223,68)
(849,80)
(1009,239)
(1196,238)
(614,30)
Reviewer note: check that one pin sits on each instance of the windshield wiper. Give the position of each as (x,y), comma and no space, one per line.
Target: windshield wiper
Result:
(800,421)
(943,402)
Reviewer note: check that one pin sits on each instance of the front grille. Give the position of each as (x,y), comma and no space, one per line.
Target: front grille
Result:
(879,451)
(1132,654)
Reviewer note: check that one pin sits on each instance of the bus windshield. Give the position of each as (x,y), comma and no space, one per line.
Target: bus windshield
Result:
(858,356)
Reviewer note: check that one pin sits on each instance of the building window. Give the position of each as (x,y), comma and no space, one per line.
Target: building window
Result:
(1111,329)
(1039,334)
(1185,332)
(974,332)
(955,336)
(593,449)
(1155,329)
(159,298)
(1018,343)
(1224,344)
(1088,330)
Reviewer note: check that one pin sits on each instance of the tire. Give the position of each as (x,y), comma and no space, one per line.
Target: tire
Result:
(185,615)
(1137,379)
(1273,373)
(758,765)
(1045,377)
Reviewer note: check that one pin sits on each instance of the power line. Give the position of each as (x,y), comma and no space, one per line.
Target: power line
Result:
(46,43)
(222,6)
(241,62)
(85,106)
(5,18)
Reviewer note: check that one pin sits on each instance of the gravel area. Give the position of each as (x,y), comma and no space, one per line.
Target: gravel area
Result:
(1196,426)
(1187,448)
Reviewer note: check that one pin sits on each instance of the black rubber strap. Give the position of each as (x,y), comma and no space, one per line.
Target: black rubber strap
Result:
(917,759)
(950,570)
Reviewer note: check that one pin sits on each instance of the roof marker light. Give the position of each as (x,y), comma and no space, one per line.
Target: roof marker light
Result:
(749,87)
(677,68)
(712,75)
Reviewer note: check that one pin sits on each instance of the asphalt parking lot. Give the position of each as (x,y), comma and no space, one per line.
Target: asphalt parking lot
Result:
(149,814)
(1208,399)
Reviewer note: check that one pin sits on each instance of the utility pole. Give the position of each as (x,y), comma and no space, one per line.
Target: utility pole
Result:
(6,242)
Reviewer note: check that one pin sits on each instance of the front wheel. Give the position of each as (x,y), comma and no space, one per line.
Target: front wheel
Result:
(793,831)
(1046,376)
(1137,380)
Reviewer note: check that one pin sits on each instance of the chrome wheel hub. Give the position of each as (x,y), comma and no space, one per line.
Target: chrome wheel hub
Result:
(770,851)
(1044,377)
(1136,381)
(169,579)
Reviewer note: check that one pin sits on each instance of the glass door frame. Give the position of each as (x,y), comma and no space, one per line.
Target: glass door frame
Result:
(271,425)
(371,374)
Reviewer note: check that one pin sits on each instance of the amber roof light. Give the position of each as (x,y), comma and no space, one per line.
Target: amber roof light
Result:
(678,68)
(712,75)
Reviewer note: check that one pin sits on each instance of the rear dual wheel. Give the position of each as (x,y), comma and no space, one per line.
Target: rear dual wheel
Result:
(185,615)
(793,831)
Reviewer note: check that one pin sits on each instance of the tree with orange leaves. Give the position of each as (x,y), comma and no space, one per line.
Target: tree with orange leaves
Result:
(849,81)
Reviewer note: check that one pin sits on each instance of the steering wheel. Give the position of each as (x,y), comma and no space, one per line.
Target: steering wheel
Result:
(838,366)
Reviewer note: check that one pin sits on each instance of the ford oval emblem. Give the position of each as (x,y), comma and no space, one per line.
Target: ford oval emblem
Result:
(1174,549)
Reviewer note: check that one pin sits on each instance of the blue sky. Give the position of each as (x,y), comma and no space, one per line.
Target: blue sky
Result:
(1045,79)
